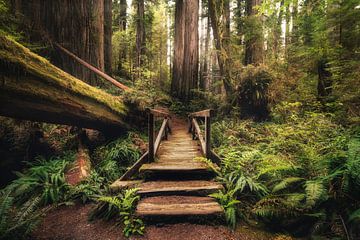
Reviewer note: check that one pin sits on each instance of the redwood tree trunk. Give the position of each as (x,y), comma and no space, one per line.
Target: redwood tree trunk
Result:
(223,60)
(108,36)
(140,33)
(78,27)
(254,44)
(191,50)
(178,59)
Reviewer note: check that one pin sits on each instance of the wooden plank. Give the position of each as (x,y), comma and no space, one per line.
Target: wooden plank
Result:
(160,135)
(178,206)
(215,158)
(204,113)
(196,187)
(119,185)
(201,139)
(207,137)
(135,167)
(151,137)
(158,113)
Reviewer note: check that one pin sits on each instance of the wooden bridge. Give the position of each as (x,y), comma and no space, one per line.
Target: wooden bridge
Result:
(174,182)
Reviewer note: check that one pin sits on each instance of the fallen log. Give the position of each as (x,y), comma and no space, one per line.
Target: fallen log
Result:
(31,88)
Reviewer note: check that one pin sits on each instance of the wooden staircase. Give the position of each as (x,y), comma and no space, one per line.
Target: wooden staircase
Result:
(175,184)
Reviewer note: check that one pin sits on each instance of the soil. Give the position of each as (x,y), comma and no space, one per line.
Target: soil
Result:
(71,222)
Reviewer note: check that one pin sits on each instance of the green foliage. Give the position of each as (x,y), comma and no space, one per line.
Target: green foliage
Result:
(17,223)
(113,159)
(122,206)
(227,199)
(309,162)
(89,189)
(44,179)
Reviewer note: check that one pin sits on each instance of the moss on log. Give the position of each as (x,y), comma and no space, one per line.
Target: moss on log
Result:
(32,88)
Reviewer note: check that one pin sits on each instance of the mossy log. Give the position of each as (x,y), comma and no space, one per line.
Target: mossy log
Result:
(31,88)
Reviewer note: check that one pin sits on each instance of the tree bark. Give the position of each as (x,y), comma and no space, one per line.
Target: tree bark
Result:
(254,45)
(222,54)
(108,36)
(78,27)
(33,89)
(140,33)
(178,58)
(122,27)
(191,50)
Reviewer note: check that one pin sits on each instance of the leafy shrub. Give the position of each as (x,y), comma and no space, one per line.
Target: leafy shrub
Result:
(18,223)
(89,189)
(44,179)
(122,206)
(113,159)
(309,163)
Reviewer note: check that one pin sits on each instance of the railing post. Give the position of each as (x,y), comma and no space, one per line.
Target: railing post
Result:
(207,137)
(151,136)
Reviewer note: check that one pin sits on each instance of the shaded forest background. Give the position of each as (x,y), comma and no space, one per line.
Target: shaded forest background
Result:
(283,77)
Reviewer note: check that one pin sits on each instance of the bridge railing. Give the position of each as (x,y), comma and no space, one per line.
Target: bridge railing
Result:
(154,142)
(165,129)
(205,140)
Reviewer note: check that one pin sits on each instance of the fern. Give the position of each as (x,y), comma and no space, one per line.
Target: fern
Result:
(285,183)
(122,206)
(315,192)
(354,216)
(228,201)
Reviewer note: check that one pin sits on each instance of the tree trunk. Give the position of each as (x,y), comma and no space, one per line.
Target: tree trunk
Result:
(108,36)
(221,57)
(78,27)
(178,58)
(287,30)
(277,33)
(239,21)
(140,33)
(33,89)
(205,65)
(254,45)
(191,50)
(122,27)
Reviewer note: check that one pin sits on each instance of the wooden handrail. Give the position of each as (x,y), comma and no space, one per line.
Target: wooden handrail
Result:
(199,135)
(163,133)
(153,146)
(135,167)
(158,113)
(195,130)
(203,113)
(160,135)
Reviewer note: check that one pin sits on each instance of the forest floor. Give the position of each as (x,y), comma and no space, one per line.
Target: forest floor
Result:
(71,222)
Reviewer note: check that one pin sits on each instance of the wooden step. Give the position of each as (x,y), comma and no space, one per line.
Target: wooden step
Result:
(172,167)
(118,185)
(165,206)
(198,188)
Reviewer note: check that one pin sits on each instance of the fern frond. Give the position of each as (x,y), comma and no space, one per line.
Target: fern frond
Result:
(285,183)
(354,216)
(315,191)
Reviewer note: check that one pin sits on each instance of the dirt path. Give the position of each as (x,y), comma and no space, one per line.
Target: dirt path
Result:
(71,222)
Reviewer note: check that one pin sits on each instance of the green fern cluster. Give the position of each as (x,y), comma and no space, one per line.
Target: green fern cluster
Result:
(18,222)
(301,171)
(44,179)
(89,189)
(112,160)
(123,207)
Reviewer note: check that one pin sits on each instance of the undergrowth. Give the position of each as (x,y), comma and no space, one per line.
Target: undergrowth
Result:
(298,174)
(122,207)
